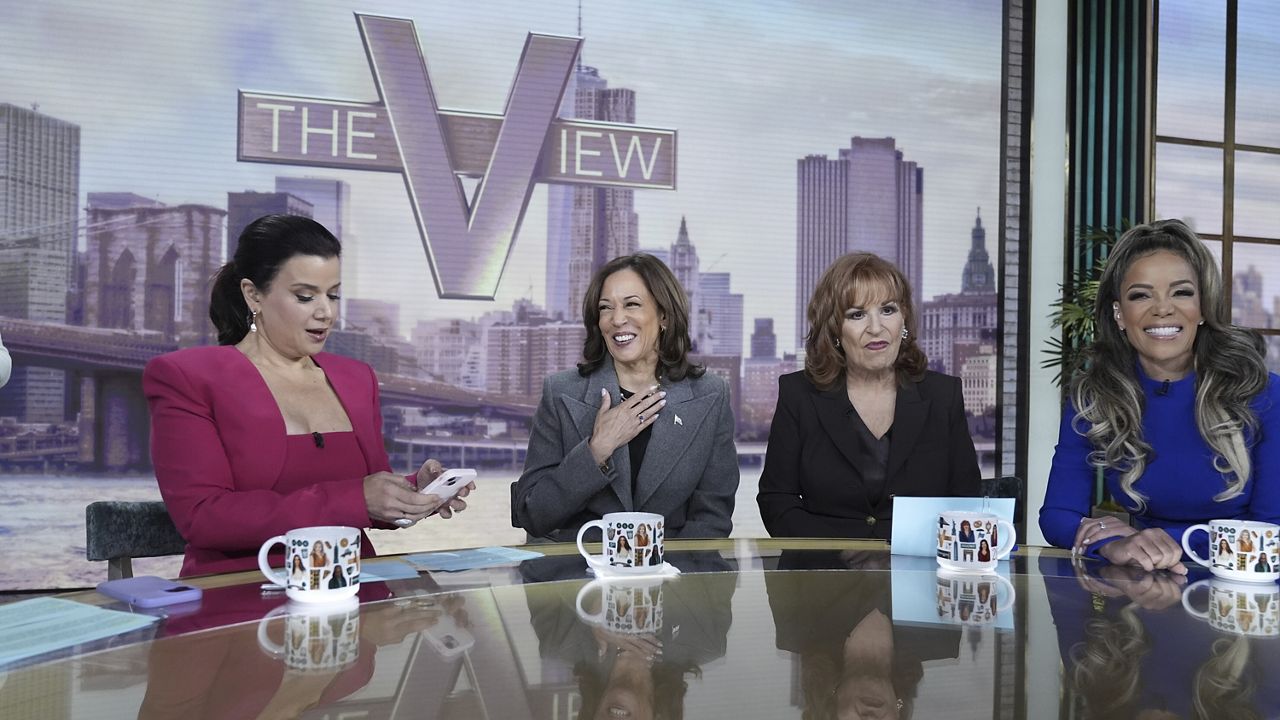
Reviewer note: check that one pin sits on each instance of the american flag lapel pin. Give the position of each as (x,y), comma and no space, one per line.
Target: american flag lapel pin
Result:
(679,421)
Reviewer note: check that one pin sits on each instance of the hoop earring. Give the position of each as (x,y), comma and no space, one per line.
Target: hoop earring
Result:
(253,321)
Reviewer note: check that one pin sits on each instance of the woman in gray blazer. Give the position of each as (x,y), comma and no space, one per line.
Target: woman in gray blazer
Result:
(637,426)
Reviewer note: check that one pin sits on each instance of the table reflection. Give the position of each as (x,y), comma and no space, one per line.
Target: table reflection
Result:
(652,637)
(1133,646)
(752,629)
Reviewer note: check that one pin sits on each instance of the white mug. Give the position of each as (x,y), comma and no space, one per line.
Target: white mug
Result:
(1242,608)
(1239,550)
(966,598)
(627,606)
(632,543)
(972,541)
(316,637)
(322,564)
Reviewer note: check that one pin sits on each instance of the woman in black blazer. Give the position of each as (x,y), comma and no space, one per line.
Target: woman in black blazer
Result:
(864,421)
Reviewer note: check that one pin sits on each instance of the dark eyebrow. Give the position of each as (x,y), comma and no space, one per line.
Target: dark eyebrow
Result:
(309,286)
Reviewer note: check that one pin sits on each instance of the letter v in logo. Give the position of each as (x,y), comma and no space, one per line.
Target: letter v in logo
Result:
(467,242)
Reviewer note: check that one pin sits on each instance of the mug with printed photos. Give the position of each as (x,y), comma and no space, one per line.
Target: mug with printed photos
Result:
(1239,550)
(972,541)
(316,637)
(967,598)
(632,543)
(626,606)
(1241,608)
(322,564)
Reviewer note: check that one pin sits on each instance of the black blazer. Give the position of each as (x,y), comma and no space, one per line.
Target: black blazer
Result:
(811,485)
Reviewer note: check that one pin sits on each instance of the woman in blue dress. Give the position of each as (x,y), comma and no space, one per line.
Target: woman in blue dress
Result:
(1174,403)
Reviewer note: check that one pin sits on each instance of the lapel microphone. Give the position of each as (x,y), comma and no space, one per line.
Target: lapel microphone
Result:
(1164,390)
(319,439)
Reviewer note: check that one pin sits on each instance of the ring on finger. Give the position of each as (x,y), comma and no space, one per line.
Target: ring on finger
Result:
(640,417)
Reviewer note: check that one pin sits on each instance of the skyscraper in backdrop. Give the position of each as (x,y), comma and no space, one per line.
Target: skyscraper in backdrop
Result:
(588,226)
(39,231)
(867,199)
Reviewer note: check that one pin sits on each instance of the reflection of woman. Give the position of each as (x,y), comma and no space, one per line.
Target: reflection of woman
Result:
(638,426)
(1174,403)
(854,662)
(265,433)
(1127,655)
(642,675)
(864,421)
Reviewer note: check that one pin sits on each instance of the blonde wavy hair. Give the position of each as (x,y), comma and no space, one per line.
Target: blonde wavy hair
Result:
(1228,360)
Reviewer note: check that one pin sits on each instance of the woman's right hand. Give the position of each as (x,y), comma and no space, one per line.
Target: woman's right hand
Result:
(617,425)
(391,497)
(1150,549)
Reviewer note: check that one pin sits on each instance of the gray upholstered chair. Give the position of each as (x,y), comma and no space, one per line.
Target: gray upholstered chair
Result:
(118,532)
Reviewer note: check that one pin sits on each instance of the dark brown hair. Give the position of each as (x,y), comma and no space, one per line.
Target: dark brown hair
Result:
(673,307)
(843,284)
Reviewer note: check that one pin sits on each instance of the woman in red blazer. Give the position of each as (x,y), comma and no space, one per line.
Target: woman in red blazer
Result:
(864,421)
(265,433)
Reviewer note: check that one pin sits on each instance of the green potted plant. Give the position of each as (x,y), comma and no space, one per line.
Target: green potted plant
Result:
(1073,314)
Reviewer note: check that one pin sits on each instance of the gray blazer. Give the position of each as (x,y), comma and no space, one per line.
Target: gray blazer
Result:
(689,475)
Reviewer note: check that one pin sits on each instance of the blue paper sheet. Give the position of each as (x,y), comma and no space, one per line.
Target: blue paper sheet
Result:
(387,570)
(34,627)
(471,559)
(915,520)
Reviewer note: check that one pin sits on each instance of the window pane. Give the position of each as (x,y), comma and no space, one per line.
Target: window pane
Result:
(1190,74)
(1257,83)
(1255,284)
(1257,212)
(1189,186)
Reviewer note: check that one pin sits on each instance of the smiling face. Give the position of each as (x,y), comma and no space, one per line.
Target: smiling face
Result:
(871,333)
(1159,312)
(299,308)
(630,321)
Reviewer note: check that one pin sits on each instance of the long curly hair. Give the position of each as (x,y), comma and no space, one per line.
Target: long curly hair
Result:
(849,280)
(1228,360)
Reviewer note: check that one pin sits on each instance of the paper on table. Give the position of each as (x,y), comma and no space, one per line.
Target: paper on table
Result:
(915,520)
(33,627)
(386,570)
(471,559)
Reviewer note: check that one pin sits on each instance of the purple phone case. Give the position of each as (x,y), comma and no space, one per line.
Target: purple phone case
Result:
(149,591)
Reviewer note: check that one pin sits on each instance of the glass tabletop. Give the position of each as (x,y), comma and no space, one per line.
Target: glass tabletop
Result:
(776,629)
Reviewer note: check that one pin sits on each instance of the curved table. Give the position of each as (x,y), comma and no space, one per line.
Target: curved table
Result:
(755,628)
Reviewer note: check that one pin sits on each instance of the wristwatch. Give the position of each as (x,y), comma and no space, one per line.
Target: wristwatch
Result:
(605,467)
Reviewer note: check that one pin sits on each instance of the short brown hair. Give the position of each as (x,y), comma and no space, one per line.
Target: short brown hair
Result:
(844,283)
(673,342)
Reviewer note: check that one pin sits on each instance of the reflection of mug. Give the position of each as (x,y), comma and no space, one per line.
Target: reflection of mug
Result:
(632,542)
(316,637)
(626,606)
(1240,608)
(1240,550)
(322,564)
(972,599)
(972,542)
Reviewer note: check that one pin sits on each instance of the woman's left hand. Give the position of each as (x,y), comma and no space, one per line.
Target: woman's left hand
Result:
(1092,530)
(432,469)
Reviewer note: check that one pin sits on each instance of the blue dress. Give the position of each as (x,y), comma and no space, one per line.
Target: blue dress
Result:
(1180,479)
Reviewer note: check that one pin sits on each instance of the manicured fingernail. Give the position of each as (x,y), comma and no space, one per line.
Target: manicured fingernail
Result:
(654,387)
(662,394)
(604,392)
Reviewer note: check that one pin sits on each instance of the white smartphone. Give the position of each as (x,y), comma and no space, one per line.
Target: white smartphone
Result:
(449,483)
(444,487)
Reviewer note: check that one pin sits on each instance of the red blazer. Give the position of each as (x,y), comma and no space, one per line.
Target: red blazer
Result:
(218,446)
